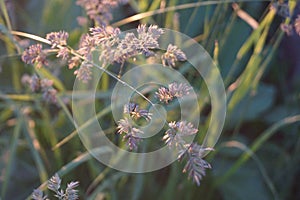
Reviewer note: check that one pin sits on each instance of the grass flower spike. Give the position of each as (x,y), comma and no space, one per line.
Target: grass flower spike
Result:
(130,133)
(58,38)
(196,166)
(172,55)
(100,10)
(44,86)
(133,110)
(54,184)
(174,90)
(35,55)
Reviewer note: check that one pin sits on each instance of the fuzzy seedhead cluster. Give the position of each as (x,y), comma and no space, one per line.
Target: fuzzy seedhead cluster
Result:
(126,127)
(54,184)
(110,45)
(293,28)
(176,136)
(44,85)
(100,10)
(174,90)
(108,42)
(283,10)
(35,55)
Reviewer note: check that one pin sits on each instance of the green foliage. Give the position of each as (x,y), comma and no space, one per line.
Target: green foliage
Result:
(257,156)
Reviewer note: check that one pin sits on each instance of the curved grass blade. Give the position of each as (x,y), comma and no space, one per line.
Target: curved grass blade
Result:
(257,144)
(174,8)
(245,149)
(12,155)
(87,123)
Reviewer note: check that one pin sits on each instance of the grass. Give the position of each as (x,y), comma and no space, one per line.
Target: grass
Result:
(256,156)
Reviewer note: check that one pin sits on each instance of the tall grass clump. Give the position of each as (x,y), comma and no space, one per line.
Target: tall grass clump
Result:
(44,51)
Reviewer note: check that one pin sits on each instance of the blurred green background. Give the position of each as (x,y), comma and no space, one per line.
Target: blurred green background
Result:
(257,156)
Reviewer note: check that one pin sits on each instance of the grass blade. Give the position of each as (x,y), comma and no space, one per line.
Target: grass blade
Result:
(257,144)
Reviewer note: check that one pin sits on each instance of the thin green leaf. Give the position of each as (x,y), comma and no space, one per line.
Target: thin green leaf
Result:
(257,144)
